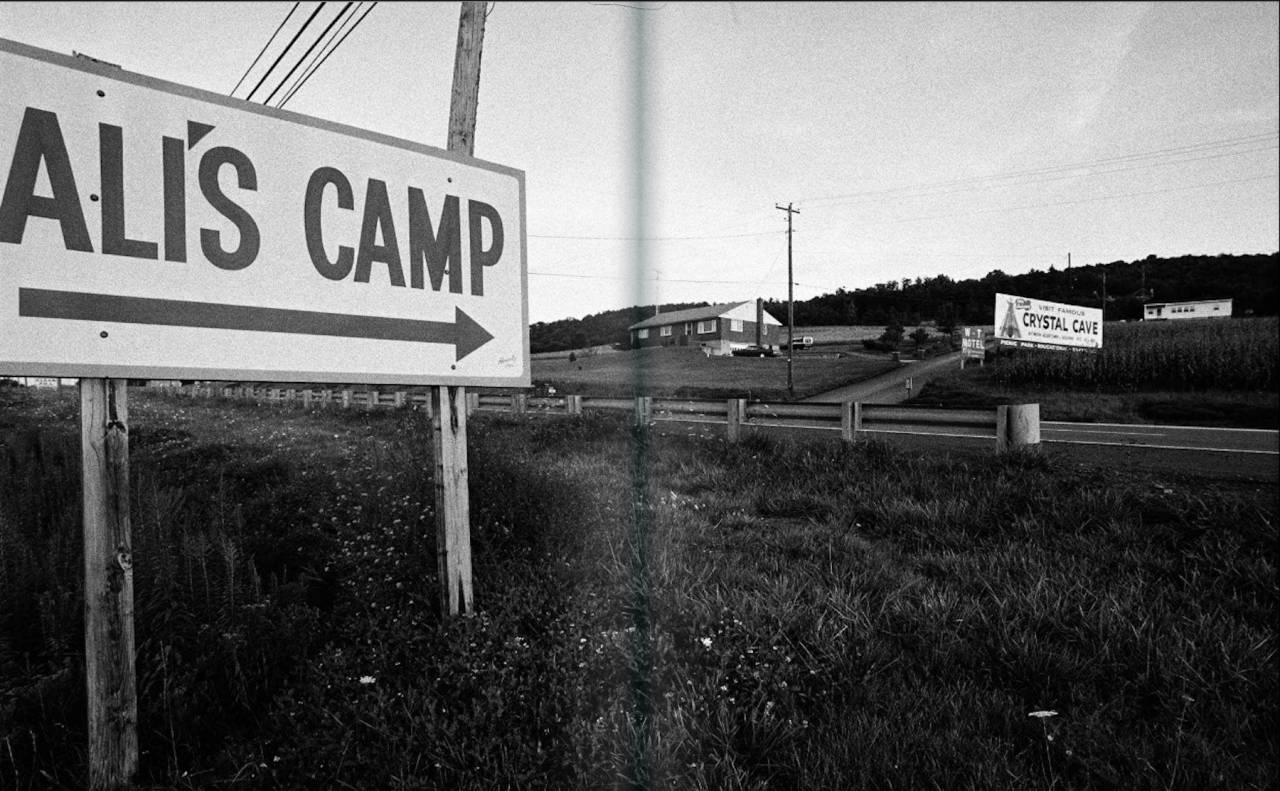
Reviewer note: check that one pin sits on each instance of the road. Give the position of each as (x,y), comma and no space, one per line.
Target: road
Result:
(1223,440)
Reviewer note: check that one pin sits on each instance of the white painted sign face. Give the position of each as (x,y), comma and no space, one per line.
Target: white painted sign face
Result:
(1036,324)
(972,343)
(151,230)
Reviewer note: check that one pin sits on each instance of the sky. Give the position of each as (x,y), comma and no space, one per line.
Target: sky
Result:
(915,139)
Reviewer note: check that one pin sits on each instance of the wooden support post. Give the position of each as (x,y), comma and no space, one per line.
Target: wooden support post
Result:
(1024,426)
(108,584)
(847,433)
(1002,428)
(519,403)
(371,399)
(451,404)
(736,410)
(644,410)
(573,404)
(326,398)
(453,509)
(399,399)
(346,399)
(306,398)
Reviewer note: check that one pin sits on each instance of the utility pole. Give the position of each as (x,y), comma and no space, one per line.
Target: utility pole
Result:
(1104,295)
(791,305)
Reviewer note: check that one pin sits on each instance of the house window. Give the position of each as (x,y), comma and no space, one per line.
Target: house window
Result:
(642,334)
(706,326)
(735,325)
(665,331)
(688,328)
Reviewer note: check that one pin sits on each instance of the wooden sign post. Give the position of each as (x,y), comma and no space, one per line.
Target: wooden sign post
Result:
(449,403)
(108,584)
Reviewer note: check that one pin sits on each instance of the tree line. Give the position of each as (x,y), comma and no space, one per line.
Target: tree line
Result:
(1250,280)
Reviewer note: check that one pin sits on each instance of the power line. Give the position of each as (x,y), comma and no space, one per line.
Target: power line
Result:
(1184,188)
(284,51)
(1028,182)
(345,17)
(580,276)
(279,27)
(654,238)
(1154,153)
(307,75)
(323,33)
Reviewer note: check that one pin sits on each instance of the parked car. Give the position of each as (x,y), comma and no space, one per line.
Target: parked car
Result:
(754,351)
(803,343)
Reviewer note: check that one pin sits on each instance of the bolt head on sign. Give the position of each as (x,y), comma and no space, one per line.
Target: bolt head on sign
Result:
(153,230)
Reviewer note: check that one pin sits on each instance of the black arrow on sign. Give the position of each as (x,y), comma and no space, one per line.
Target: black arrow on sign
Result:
(463,332)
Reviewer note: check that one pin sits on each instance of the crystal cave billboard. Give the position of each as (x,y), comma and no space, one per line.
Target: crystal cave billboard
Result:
(1025,323)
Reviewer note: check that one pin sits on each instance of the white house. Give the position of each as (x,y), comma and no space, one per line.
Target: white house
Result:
(1199,309)
(718,328)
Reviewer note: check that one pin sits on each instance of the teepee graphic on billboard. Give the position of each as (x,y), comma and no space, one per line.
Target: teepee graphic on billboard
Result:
(1009,327)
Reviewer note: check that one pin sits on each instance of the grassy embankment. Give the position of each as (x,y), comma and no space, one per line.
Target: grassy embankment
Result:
(749,616)
(1200,373)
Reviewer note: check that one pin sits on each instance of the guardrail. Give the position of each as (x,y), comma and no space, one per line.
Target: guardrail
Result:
(1007,425)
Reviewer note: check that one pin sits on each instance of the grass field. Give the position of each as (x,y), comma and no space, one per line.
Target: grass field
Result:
(687,373)
(664,613)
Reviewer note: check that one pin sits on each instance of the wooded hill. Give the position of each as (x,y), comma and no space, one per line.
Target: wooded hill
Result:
(1251,280)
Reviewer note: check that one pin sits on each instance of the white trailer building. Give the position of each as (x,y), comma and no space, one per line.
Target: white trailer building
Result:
(1200,309)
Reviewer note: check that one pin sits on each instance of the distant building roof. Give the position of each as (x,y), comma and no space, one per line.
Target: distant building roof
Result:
(691,314)
(1187,302)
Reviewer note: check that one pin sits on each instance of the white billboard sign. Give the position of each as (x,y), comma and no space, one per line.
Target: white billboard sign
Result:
(1036,324)
(153,230)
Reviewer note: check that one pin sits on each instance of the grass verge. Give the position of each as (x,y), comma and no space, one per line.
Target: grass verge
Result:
(757,615)
(976,386)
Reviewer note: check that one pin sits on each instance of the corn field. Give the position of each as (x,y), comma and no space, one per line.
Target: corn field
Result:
(1210,354)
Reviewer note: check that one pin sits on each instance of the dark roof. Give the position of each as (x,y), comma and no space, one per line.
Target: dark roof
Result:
(680,316)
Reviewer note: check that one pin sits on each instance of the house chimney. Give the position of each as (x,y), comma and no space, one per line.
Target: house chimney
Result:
(759,320)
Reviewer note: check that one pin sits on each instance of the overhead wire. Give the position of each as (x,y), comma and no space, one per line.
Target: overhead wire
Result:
(279,27)
(323,33)
(325,56)
(284,51)
(345,15)
(1153,153)
(1029,182)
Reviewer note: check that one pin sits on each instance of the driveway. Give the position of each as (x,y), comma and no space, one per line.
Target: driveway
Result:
(891,388)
